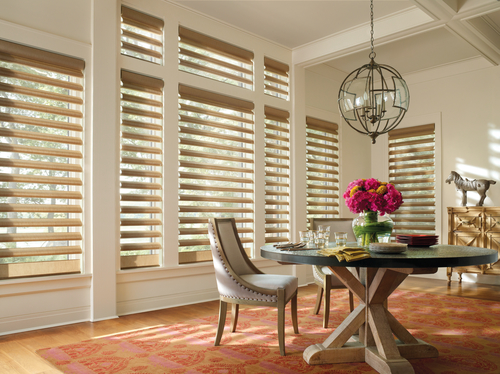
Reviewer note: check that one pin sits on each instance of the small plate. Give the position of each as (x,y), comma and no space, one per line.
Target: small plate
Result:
(388,247)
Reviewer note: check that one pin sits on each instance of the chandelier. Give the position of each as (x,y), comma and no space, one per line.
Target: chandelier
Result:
(374,98)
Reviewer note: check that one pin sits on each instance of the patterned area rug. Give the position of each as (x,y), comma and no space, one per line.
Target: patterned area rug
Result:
(466,333)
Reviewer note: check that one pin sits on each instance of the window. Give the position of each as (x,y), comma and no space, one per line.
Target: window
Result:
(276,78)
(141,36)
(277,178)
(322,168)
(212,58)
(141,170)
(41,127)
(215,168)
(412,171)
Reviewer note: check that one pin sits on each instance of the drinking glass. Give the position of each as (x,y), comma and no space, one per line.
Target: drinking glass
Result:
(304,236)
(320,239)
(340,239)
(326,230)
(312,237)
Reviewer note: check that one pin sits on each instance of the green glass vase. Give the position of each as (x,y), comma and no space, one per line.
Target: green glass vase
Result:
(371,227)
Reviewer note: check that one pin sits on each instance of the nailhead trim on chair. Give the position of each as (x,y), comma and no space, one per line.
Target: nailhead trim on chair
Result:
(273,297)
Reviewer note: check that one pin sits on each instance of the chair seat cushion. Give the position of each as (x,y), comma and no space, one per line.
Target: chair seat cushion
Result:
(335,281)
(273,282)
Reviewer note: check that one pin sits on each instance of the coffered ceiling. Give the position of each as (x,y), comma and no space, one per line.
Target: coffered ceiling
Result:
(412,35)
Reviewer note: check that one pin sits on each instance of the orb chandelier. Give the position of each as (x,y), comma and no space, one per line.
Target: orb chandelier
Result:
(374,98)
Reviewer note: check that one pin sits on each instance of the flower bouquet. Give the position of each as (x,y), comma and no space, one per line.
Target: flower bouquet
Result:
(369,197)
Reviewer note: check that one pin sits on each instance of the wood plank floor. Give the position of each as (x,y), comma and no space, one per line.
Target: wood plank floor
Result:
(17,351)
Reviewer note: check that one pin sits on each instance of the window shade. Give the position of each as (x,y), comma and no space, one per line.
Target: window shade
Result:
(412,172)
(41,98)
(322,168)
(277,179)
(141,36)
(216,171)
(141,170)
(212,58)
(276,78)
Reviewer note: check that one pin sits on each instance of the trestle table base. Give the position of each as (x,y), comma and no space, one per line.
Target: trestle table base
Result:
(368,333)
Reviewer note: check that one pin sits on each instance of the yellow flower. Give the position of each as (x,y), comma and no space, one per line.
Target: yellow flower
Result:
(354,190)
(372,190)
(382,190)
(383,183)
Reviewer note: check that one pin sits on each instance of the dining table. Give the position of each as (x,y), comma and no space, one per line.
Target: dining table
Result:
(371,333)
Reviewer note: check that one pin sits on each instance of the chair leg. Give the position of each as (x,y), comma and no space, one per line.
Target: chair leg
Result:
(294,314)
(351,301)
(319,295)
(281,321)
(326,312)
(222,321)
(234,316)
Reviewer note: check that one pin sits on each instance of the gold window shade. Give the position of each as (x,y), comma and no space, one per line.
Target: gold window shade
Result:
(412,172)
(41,132)
(216,168)
(276,79)
(215,59)
(141,36)
(141,175)
(277,179)
(322,168)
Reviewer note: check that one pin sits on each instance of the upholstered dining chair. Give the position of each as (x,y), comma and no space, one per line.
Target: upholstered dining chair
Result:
(323,276)
(240,282)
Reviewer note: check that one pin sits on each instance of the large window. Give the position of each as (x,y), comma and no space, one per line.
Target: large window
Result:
(277,175)
(215,59)
(412,171)
(322,168)
(41,127)
(216,148)
(141,170)
(141,36)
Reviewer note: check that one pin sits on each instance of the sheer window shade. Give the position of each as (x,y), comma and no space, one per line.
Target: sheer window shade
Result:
(141,170)
(141,36)
(276,78)
(412,171)
(216,149)
(322,168)
(212,58)
(277,179)
(41,98)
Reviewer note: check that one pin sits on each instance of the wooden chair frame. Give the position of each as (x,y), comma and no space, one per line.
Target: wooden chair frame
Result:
(215,240)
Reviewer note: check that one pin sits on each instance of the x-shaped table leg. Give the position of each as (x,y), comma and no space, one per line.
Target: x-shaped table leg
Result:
(371,333)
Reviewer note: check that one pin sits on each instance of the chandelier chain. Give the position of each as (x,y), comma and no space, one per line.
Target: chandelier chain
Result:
(372,54)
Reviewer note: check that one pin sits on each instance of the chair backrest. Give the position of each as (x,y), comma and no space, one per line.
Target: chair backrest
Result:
(336,224)
(226,246)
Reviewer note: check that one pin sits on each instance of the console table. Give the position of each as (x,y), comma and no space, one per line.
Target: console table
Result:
(475,226)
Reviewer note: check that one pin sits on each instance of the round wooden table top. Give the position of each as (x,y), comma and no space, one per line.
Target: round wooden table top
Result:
(441,255)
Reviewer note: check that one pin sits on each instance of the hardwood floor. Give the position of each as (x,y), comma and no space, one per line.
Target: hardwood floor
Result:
(17,351)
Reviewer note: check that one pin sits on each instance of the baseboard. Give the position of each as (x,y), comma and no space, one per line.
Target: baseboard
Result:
(165,301)
(37,321)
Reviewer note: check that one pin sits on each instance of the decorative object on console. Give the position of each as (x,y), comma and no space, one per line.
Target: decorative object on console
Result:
(371,103)
(481,186)
(475,227)
(373,200)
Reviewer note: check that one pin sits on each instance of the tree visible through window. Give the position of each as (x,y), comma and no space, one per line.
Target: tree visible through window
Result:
(41,98)
(216,149)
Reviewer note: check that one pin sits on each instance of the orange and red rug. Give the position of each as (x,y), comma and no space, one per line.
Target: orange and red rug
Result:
(466,333)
